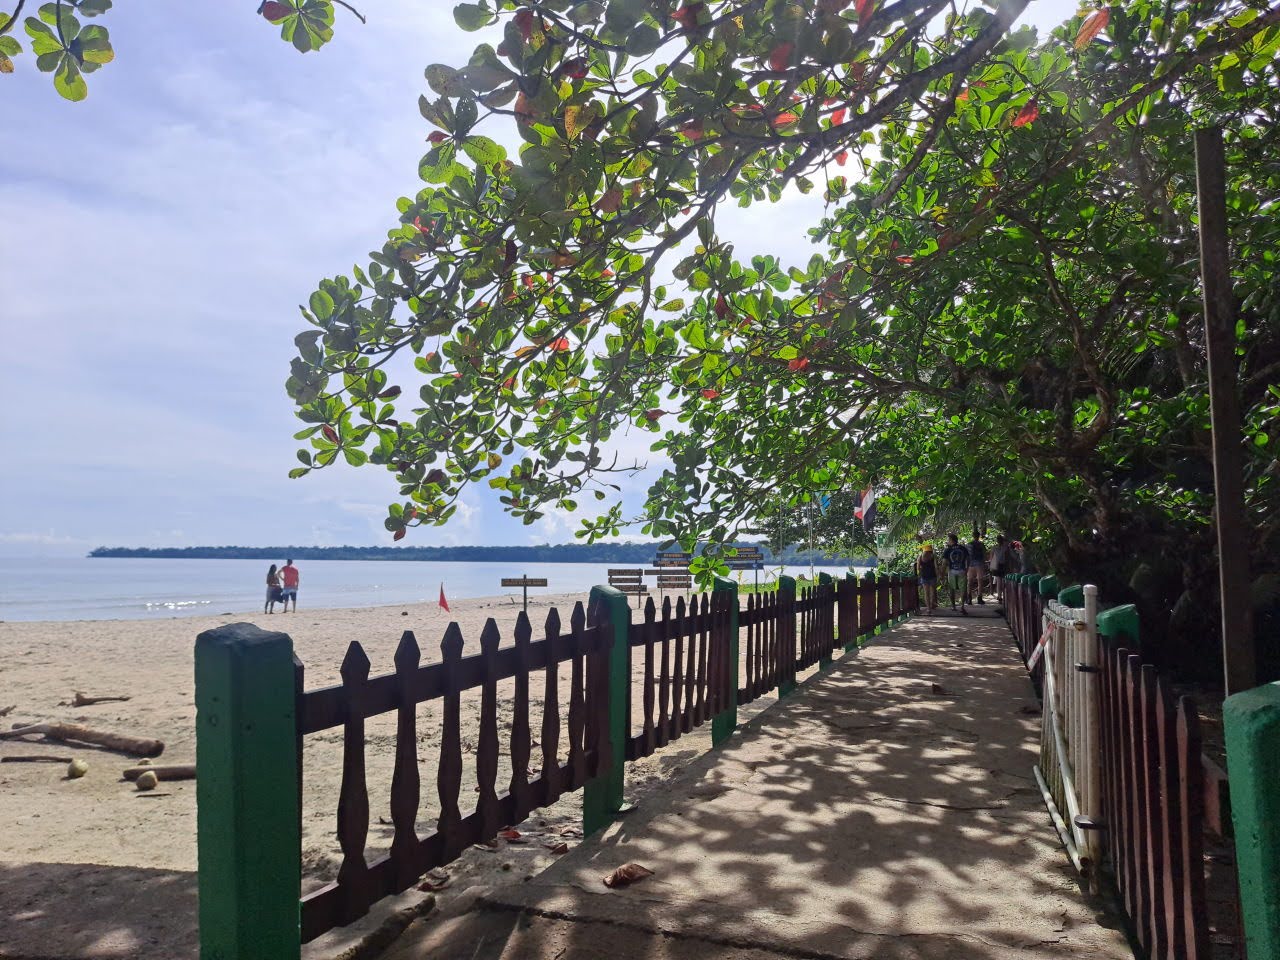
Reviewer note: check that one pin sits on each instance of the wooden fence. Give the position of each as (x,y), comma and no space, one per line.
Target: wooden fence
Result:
(689,676)
(1161,798)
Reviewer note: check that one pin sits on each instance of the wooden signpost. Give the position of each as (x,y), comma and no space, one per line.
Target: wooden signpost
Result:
(524,583)
(748,558)
(629,580)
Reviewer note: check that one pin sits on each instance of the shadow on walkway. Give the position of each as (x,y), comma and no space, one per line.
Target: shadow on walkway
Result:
(118,911)
(886,810)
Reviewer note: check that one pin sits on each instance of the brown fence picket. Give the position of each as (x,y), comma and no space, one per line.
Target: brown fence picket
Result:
(521,736)
(487,741)
(550,777)
(449,776)
(648,695)
(406,787)
(1191,832)
(353,796)
(577,700)
(664,686)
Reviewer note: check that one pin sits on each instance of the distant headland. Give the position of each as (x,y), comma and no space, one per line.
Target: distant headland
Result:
(637,553)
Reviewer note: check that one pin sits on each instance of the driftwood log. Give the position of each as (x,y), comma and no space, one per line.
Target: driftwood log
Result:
(82,699)
(175,771)
(78,733)
(35,758)
(5,711)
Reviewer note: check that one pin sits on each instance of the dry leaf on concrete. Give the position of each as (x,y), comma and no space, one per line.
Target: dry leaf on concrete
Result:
(626,875)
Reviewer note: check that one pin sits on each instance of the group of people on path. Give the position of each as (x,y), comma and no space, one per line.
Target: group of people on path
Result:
(964,568)
(282,586)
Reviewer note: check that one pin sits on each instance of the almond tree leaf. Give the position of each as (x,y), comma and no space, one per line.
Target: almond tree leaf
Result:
(1028,114)
(1093,25)
(626,875)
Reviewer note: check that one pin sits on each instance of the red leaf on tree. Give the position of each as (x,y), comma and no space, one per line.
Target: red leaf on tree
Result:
(606,273)
(522,108)
(509,383)
(527,280)
(610,200)
(654,415)
(906,260)
(1093,25)
(721,307)
(842,156)
(688,16)
(780,56)
(785,119)
(837,117)
(511,252)
(399,534)
(693,130)
(865,9)
(437,136)
(857,70)
(576,68)
(798,364)
(1027,114)
(710,394)
(330,433)
(559,344)
(273,11)
(964,94)
(524,20)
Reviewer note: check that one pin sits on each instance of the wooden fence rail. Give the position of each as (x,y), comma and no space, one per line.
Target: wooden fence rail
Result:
(691,668)
(1161,798)
(348,705)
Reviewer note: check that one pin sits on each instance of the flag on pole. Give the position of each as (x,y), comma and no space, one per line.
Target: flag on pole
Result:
(866,508)
(824,501)
(444,604)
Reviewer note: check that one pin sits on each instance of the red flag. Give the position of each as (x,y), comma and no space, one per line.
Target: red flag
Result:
(444,604)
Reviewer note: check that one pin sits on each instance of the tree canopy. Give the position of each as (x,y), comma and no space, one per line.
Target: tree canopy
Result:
(69,51)
(1002,319)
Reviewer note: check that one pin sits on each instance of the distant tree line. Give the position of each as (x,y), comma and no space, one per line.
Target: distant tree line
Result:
(635,553)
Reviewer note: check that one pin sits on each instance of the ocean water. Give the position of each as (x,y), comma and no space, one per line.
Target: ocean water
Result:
(79,588)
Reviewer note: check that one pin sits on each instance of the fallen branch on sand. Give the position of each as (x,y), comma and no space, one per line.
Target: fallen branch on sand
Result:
(82,699)
(35,758)
(177,771)
(75,732)
(5,711)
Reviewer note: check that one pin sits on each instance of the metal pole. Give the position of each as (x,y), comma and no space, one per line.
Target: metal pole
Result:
(1224,412)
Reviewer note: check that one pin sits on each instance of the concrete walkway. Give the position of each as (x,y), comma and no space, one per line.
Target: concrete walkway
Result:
(886,810)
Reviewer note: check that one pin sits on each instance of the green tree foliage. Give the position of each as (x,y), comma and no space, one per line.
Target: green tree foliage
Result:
(69,51)
(1003,321)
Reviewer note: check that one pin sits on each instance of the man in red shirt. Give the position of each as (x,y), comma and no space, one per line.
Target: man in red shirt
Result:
(289,583)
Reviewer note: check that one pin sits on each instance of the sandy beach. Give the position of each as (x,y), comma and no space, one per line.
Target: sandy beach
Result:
(101,819)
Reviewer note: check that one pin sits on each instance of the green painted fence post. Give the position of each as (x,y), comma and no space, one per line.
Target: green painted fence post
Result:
(853,643)
(787,596)
(1121,625)
(1251,721)
(247,813)
(824,661)
(726,721)
(1071,596)
(1048,586)
(602,795)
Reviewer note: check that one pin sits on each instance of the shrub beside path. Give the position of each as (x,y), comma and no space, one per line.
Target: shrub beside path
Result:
(886,810)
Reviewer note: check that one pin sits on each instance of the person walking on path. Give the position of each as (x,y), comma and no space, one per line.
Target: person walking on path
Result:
(1001,557)
(956,559)
(927,571)
(977,568)
(273,590)
(289,577)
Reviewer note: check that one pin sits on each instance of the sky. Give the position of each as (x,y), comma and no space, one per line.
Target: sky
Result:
(155,241)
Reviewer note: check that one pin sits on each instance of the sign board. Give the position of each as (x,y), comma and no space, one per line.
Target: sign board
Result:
(749,553)
(626,573)
(524,583)
(636,588)
(745,565)
(673,555)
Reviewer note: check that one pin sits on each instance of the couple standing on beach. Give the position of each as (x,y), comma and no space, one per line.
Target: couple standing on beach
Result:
(282,587)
